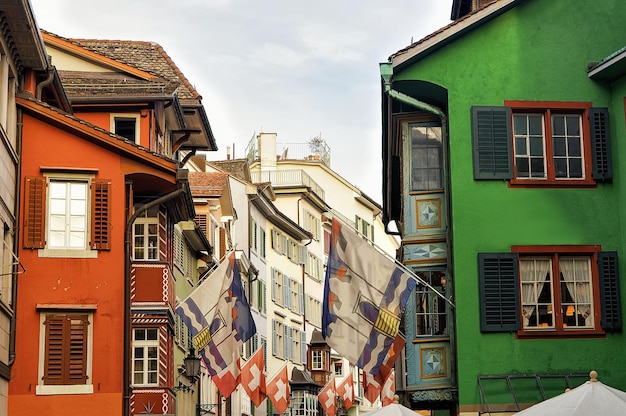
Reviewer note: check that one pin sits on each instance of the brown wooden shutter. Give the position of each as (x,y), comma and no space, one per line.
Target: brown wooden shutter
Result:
(66,349)
(34,212)
(222,242)
(201,220)
(100,215)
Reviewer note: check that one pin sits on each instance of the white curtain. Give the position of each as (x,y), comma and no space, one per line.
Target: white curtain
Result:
(577,279)
(533,277)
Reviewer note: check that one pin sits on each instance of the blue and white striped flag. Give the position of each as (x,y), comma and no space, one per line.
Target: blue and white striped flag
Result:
(218,316)
(365,294)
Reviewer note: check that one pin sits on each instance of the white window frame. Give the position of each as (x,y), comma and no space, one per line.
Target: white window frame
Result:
(317,360)
(45,389)
(146,220)
(146,344)
(135,116)
(84,251)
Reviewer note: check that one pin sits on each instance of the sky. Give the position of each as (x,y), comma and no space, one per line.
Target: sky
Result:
(298,69)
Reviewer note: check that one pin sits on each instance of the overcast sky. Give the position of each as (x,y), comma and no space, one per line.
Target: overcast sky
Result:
(295,68)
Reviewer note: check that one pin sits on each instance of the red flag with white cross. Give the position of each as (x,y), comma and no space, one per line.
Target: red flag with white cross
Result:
(278,390)
(328,398)
(345,390)
(253,378)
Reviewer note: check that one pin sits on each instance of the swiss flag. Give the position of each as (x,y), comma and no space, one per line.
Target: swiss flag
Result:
(371,387)
(328,398)
(388,390)
(345,390)
(253,378)
(278,390)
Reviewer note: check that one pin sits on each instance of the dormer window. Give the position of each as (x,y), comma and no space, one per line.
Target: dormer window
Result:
(126,125)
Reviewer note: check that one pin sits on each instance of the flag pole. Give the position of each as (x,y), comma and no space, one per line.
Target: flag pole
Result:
(333,214)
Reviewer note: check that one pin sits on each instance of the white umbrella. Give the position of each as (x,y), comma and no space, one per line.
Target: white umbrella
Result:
(591,398)
(393,409)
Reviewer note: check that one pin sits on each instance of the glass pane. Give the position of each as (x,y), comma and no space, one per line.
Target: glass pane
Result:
(152,352)
(77,207)
(57,222)
(522,165)
(519,125)
(520,146)
(575,168)
(434,179)
(560,168)
(433,158)
(573,146)
(57,190)
(535,125)
(57,207)
(77,223)
(573,125)
(138,378)
(78,191)
(152,334)
(140,334)
(138,352)
(536,146)
(152,365)
(56,239)
(77,239)
(558,126)
(536,167)
(559,146)
(152,378)
(152,229)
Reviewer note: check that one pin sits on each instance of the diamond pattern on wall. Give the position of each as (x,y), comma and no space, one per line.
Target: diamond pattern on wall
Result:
(433,362)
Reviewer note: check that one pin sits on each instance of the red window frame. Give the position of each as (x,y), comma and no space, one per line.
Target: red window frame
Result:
(555,252)
(547,108)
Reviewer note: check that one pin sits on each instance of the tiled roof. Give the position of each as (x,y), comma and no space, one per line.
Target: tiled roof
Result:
(96,129)
(207,183)
(238,167)
(146,56)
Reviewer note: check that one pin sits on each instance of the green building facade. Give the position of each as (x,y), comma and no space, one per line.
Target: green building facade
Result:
(502,139)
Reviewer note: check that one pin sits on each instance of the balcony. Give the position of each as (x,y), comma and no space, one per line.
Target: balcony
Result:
(288,178)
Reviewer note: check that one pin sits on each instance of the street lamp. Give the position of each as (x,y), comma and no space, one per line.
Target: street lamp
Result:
(192,370)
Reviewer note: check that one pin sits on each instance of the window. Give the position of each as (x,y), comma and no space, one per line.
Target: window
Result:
(262,244)
(312,224)
(297,300)
(313,311)
(542,143)
(146,356)
(277,287)
(550,290)
(278,339)
(338,368)
(146,235)
(303,403)
(317,360)
(364,227)
(126,125)
(65,351)
(67,215)
(426,154)
(430,308)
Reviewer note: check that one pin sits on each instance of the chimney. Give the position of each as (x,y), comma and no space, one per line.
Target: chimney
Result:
(266,143)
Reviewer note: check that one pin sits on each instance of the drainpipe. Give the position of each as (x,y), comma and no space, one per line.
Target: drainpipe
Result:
(44,83)
(127,303)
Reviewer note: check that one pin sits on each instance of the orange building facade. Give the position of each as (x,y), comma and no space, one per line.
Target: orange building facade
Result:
(100,194)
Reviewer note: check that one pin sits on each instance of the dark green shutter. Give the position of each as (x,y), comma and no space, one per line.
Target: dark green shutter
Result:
(600,144)
(609,291)
(499,292)
(491,141)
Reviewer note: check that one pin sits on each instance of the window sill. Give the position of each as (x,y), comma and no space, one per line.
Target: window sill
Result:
(551,183)
(65,253)
(553,333)
(43,390)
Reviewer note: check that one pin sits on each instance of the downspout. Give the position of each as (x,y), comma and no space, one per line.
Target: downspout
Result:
(15,248)
(127,303)
(386,73)
(44,83)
